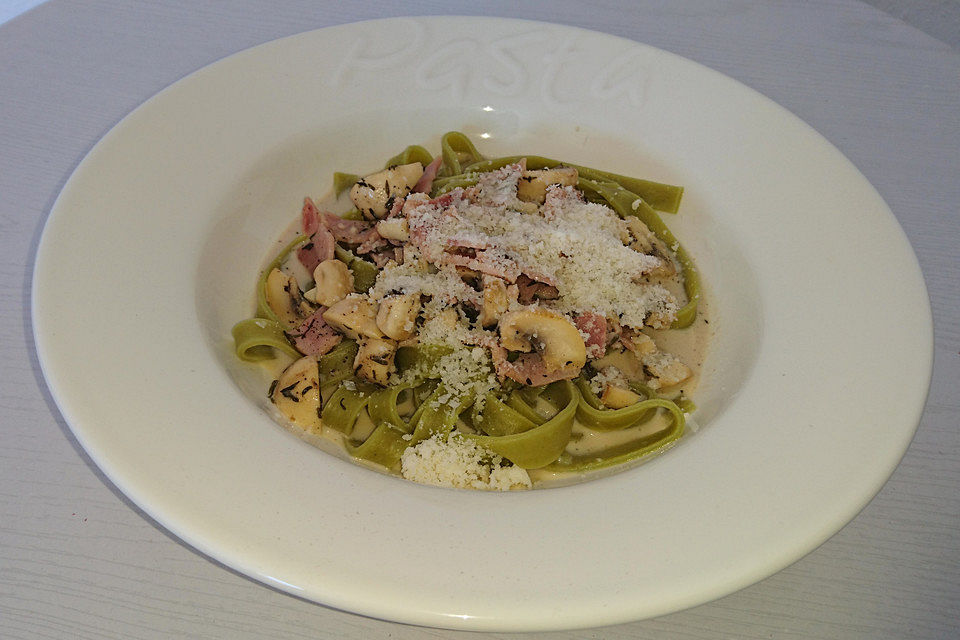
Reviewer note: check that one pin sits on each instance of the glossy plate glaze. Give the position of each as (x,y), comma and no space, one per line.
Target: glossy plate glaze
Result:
(812,390)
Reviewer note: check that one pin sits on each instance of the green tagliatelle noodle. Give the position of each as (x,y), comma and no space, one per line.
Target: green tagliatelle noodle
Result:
(255,338)
(364,273)
(263,309)
(388,441)
(630,451)
(627,203)
(413,153)
(543,444)
(660,196)
(530,427)
(457,148)
(337,365)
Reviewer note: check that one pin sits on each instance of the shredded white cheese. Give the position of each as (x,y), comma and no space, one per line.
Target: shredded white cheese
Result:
(607,375)
(460,463)
(575,244)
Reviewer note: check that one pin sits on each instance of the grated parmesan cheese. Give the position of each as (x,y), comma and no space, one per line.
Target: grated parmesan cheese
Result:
(575,244)
(467,370)
(607,375)
(444,286)
(462,464)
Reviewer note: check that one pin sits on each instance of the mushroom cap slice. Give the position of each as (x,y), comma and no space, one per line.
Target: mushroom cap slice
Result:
(374,195)
(397,315)
(497,297)
(394,229)
(283,296)
(354,317)
(374,359)
(558,340)
(296,393)
(616,397)
(533,183)
(333,282)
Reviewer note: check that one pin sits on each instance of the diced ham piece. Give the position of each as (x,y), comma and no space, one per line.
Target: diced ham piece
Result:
(555,199)
(594,325)
(469,241)
(371,241)
(396,208)
(490,262)
(381,258)
(314,337)
(539,276)
(528,369)
(429,174)
(309,217)
(467,249)
(455,195)
(347,231)
(319,249)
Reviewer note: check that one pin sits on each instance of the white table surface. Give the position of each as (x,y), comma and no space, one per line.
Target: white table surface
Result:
(78,560)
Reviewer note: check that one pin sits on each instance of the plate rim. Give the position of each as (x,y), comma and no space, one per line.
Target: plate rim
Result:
(423,617)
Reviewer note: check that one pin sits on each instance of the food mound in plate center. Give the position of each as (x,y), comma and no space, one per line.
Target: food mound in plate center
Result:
(481,324)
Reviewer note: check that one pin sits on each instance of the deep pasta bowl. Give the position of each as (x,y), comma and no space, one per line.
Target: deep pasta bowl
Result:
(811,392)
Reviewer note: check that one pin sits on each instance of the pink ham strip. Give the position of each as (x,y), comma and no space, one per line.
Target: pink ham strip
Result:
(382,258)
(468,241)
(371,241)
(309,217)
(539,276)
(447,199)
(489,260)
(528,369)
(314,337)
(595,326)
(484,262)
(348,231)
(396,208)
(425,183)
(319,249)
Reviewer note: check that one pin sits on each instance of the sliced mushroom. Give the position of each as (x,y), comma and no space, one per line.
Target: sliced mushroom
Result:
(637,342)
(658,320)
(616,397)
(525,207)
(285,300)
(374,359)
(397,315)
(296,393)
(333,282)
(394,229)
(375,194)
(533,184)
(496,299)
(664,369)
(644,241)
(558,340)
(354,317)
(448,319)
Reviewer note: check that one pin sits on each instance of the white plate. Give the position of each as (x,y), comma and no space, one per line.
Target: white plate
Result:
(813,388)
